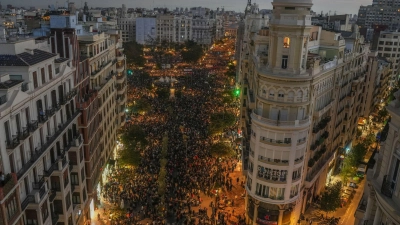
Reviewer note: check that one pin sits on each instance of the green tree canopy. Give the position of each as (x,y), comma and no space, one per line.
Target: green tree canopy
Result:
(220,121)
(382,114)
(221,149)
(357,154)
(134,53)
(191,52)
(129,157)
(330,199)
(133,136)
(141,106)
(162,93)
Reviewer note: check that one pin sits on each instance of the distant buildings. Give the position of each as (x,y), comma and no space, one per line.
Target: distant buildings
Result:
(145,30)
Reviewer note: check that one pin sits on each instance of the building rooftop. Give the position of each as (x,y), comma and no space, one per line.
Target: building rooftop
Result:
(37,56)
(9,83)
(60,60)
(11,60)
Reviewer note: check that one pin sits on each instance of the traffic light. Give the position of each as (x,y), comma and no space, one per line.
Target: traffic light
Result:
(237,92)
(129,72)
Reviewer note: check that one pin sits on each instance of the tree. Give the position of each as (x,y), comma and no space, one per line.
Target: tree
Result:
(162,93)
(357,154)
(221,149)
(133,136)
(134,53)
(370,139)
(220,121)
(142,106)
(359,133)
(382,114)
(129,157)
(330,199)
(191,52)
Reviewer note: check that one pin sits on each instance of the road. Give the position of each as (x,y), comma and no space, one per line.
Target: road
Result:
(347,213)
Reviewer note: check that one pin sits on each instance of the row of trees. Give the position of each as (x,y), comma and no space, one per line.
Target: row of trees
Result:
(330,198)
(353,159)
(219,122)
(133,140)
(163,171)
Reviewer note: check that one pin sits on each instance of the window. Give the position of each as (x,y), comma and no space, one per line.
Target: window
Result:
(271,93)
(74,179)
(76,198)
(290,8)
(11,207)
(15,77)
(44,210)
(35,81)
(286,42)
(50,72)
(43,75)
(82,174)
(68,200)
(284,61)
(281,94)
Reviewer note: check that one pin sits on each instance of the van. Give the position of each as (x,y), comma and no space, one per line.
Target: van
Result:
(361,170)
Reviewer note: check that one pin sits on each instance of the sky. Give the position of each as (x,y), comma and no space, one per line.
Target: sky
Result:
(340,6)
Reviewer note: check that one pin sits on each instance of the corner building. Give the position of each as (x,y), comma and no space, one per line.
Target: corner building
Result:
(301,100)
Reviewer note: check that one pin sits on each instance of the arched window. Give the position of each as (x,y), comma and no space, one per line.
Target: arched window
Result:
(300,96)
(290,97)
(281,94)
(271,93)
(286,42)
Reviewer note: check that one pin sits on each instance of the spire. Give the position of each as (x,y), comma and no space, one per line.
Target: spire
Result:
(248,7)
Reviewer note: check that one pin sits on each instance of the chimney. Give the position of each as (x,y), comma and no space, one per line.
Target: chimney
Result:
(28,50)
(91,29)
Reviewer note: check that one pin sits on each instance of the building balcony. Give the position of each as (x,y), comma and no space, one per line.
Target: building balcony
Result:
(120,57)
(13,142)
(22,135)
(33,125)
(77,142)
(42,118)
(65,99)
(283,143)
(121,90)
(279,123)
(88,99)
(6,186)
(99,70)
(35,198)
(323,110)
(315,170)
(120,68)
(120,79)
(35,155)
(270,161)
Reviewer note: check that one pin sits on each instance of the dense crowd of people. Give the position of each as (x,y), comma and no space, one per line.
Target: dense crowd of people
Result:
(191,171)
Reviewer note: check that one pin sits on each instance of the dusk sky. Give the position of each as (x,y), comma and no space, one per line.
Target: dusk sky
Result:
(340,6)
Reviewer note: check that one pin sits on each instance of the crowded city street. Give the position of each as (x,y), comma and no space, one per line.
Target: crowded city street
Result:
(199,188)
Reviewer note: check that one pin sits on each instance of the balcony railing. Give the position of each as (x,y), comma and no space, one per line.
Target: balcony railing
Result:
(12,143)
(22,135)
(33,125)
(43,118)
(9,182)
(386,188)
(280,123)
(50,111)
(40,150)
(50,170)
(38,184)
(28,199)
